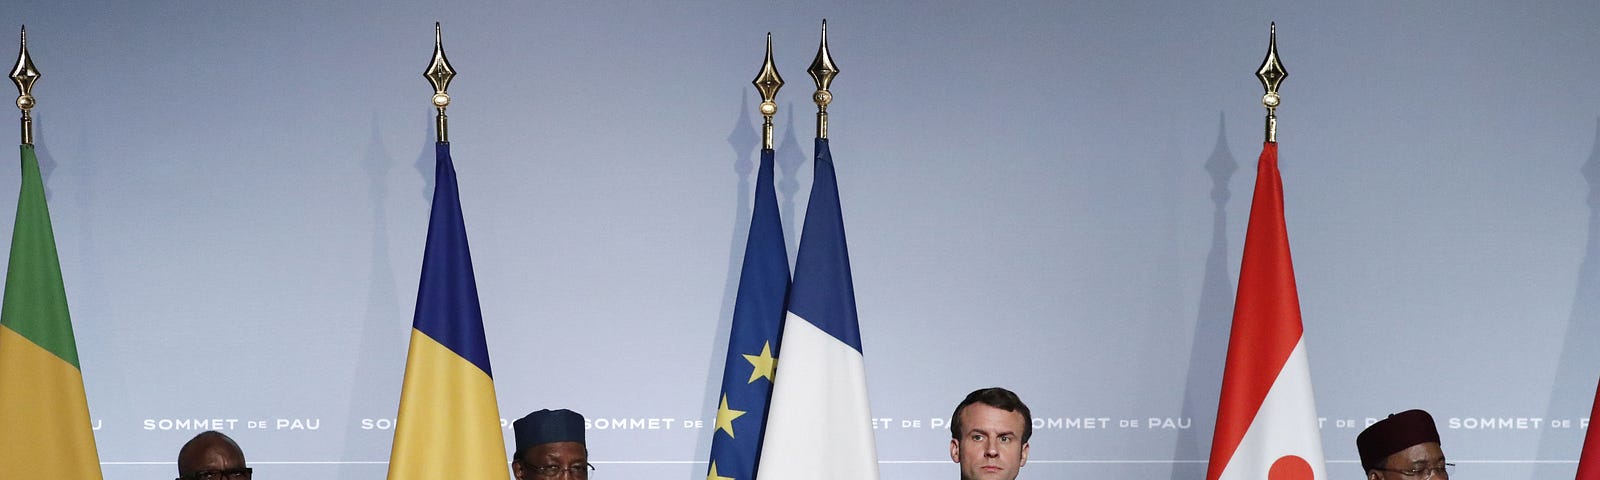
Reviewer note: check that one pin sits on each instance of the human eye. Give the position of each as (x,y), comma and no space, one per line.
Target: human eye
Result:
(977,437)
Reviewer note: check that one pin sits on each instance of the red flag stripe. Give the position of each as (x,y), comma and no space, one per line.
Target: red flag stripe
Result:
(1589,460)
(1266,315)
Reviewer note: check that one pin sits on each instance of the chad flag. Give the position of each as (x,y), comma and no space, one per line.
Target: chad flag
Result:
(449,423)
(44,415)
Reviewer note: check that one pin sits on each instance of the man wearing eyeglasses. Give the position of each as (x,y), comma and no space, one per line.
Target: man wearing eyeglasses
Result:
(1403,446)
(550,445)
(212,456)
(989,435)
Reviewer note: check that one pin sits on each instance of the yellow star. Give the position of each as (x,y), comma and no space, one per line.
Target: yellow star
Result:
(725,417)
(765,365)
(713,475)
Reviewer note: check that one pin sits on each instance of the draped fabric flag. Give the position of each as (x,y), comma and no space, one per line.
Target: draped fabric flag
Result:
(1266,419)
(44,414)
(820,425)
(1589,460)
(753,340)
(449,423)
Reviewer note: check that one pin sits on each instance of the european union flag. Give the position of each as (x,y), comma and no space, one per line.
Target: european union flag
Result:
(753,341)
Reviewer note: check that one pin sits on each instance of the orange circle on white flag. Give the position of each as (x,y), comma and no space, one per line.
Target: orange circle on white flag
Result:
(1290,467)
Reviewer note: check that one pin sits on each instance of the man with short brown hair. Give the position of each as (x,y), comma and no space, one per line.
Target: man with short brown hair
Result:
(989,434)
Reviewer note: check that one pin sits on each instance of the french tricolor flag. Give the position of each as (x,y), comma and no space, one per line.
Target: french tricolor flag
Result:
(819,424)
(1267,419)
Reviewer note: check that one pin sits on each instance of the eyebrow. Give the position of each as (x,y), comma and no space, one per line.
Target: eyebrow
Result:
(986,432)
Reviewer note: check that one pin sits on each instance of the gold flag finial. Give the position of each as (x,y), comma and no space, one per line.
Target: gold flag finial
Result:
(439,74)
(1271,75)
(822,72)
(24,75)
(768,82)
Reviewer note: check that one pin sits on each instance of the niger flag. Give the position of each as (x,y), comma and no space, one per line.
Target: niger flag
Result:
(44,415)
(1266,419)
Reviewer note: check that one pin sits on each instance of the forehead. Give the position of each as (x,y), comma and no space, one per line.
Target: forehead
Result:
(986,418)
(557,452)
(212,453)
(1420,453)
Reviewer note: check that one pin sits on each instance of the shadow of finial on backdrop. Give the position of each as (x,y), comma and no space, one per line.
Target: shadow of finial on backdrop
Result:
(1208,352)
(384,328)
(1578,366)
(426,156)
(41,151)
(744,140)
(93,314)
(789,158)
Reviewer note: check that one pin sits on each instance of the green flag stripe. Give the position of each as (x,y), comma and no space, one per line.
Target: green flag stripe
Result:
(35,298)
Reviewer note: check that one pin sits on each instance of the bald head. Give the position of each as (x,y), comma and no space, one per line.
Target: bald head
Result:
(210,450)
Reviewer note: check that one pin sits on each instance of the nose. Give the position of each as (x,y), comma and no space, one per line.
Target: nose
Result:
(991,448)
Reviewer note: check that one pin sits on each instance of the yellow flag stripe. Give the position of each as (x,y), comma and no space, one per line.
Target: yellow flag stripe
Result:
(44,415)
(449,424)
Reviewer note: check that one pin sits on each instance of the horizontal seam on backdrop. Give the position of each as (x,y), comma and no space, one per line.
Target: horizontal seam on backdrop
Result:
(902,462)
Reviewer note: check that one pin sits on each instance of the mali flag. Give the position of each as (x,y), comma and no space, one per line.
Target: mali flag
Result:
(44,415)
(449,423)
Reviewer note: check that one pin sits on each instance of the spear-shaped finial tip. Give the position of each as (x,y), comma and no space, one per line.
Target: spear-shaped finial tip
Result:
(823,70)
(24,75)
(439,71)
(768,82)
(1271,73)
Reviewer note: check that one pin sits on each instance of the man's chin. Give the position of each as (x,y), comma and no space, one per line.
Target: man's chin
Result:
(990,474)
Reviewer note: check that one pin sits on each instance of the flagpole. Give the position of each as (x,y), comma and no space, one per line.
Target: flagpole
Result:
(439,74)
(822,72)
(1271,75)
(24,75)
(768,82)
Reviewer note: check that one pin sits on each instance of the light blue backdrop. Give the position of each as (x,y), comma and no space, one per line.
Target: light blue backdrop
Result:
(1048,196)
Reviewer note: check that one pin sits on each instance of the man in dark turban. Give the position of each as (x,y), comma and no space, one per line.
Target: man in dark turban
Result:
(1403,446)
(550,444)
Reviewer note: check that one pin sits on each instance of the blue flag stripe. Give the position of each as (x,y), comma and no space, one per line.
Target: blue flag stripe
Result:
(447,293)
(823,293)
(757,323)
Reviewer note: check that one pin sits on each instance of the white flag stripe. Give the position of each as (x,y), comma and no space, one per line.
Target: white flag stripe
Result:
(1285,425)
(819,425)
